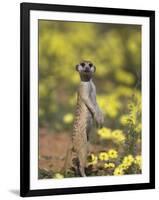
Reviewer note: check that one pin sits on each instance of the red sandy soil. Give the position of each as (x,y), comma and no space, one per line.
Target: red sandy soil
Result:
(53,149)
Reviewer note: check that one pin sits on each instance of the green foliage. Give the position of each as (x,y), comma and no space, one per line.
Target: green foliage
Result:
(115,50)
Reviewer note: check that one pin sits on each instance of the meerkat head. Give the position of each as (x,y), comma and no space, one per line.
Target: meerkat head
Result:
(86,69)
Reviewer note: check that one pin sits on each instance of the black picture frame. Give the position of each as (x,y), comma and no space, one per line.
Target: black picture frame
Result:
(25,9)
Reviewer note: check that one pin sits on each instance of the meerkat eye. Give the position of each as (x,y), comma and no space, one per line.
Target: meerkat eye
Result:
(82,64)
(90,64)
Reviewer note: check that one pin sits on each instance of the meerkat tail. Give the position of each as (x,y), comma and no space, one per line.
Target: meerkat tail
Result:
(67,160)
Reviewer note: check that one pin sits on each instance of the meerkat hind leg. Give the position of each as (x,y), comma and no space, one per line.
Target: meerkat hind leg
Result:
(82,156)
(67,160)
(88,131)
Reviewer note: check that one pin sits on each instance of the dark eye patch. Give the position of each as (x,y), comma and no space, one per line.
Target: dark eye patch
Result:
(82,64)
(90,64)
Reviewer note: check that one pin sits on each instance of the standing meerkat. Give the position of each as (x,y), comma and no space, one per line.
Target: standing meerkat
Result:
(86,111)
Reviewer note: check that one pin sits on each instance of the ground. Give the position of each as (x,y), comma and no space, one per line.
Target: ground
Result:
(53,149)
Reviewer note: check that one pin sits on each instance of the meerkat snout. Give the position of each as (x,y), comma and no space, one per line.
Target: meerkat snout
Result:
(85,67)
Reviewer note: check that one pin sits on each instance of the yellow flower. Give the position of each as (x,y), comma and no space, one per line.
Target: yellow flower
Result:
(58,176)
(112,106)
(109,165)
(124,120)
(128,160)
(104,133)
(68,118)
(112,153)
(138,128)
(103,156)
(93,159)
(123,166)
(118,135)
(118,171)
(138,161)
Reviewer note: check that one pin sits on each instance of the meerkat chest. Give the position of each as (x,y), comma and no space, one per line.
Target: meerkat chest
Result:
(92,92)
(81,109)
(89,91)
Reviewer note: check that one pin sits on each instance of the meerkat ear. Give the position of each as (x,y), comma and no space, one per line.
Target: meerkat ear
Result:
(77,67)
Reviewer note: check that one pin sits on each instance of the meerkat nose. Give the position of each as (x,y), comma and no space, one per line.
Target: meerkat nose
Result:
(87,69)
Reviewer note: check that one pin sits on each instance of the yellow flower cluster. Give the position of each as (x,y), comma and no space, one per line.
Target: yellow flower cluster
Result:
(109,165)
(116,135)
(118,171)
(104,133)
(93,159)
(126,163)
(134,116)
(138,161)
(102,156)
(110,104)
(138,128)
(124,120)
(58,176)
(112,153)
(128,160)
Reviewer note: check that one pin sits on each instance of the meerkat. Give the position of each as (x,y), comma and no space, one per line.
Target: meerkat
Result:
(86,111)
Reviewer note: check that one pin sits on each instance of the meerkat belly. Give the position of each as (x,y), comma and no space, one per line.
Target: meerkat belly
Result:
(82,123)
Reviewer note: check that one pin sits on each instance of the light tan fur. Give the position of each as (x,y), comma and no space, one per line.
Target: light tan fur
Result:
(86,111)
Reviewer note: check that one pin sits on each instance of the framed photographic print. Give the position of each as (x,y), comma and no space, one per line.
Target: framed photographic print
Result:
(87,99)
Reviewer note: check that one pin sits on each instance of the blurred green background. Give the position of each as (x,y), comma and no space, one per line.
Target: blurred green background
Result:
(115,50)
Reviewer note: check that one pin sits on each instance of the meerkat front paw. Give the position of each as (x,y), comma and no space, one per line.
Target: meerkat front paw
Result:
(99,118)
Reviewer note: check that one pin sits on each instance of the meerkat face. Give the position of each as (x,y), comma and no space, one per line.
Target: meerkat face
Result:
(86,67)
